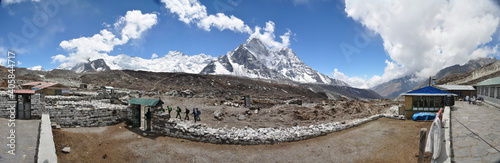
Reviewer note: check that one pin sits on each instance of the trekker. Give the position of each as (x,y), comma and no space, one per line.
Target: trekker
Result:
(198,114)
(169,110)
(194,115)
(178,112)
(187,114)
(148,120)
(467,98)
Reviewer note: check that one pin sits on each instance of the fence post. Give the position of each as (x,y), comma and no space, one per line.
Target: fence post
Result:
(421,148)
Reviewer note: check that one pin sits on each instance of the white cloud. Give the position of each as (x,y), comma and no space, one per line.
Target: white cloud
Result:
(223,22)
(8,2)
(192,11)
(187,10)
(154,56)
(131,26)
(268,36)
(422,37)
(134,24)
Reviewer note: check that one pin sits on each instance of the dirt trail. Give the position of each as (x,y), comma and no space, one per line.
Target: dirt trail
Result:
(383,140)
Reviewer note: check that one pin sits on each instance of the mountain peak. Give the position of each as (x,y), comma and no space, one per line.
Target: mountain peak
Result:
(255,43)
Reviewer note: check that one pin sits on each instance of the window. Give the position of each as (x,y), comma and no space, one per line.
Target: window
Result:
(492,91)
(485,91)
(432,103)
(498,92)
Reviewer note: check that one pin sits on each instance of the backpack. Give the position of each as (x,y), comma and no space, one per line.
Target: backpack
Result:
(198,112)
(169,108)
(178,109)
(187,111)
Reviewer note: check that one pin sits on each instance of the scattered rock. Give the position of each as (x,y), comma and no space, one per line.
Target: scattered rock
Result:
(295,101)
(187,93)
(58,126)
(218,114)
(242,117)
(66,150)
(105,156)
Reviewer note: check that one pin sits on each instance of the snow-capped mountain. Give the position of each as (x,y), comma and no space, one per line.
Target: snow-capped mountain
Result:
(37,68)
(255,60)
(252,59)
(174,61)
(91,66)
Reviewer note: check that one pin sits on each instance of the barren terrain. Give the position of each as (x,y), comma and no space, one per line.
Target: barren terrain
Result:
(277,113)
(383,140)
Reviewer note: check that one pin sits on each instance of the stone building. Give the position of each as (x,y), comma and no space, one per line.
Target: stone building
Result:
(140,107)
(461,91)
(47,88)
(489,90)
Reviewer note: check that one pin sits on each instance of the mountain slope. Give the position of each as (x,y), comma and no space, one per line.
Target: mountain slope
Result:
(395,87)
(174,61)
(255,60)
(473,77)
(91,66)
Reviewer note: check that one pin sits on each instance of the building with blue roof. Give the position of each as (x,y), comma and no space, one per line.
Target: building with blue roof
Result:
(425,99)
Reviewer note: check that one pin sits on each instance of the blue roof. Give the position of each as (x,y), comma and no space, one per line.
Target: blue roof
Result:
(427,91)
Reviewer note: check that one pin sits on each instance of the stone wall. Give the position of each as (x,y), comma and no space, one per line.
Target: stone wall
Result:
(73,111)
(37,106)
(85,111)
(249,136)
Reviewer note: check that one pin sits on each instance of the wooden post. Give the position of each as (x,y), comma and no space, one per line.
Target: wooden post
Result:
(421,148)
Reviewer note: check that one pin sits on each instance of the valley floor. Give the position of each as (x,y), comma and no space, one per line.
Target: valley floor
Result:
(383,140)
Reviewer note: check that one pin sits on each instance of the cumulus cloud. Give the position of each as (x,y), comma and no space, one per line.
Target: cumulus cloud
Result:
(422,37)
(193,12)
(268,36)
(131,26)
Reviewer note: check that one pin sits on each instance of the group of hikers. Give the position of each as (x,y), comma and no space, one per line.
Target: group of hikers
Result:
(196,113)
(472,100)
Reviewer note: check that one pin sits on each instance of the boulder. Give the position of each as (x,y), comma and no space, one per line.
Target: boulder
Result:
(187,93)
(242,117)
(66,149)
(219,114)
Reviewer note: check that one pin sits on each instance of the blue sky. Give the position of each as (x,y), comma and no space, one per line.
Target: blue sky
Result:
(318,31)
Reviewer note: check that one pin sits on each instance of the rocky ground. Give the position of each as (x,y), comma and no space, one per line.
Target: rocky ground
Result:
(277,113)
(383,140)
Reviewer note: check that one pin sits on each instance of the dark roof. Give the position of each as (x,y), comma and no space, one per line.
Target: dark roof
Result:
(427,91)
(143,101)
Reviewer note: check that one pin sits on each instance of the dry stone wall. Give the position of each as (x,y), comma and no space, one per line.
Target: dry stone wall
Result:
(73,111)
(84,111)
(37,105)
(249,136)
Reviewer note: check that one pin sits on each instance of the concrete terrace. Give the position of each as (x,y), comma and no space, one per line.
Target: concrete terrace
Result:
(26,134)
(475,133)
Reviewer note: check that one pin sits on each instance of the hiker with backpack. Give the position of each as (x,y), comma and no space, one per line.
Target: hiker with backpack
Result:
(178,112)
(194,115)
(169,110)
(187,114)
(198,114)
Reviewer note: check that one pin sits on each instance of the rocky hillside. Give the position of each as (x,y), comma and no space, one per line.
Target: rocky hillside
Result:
(395,87)
(473,77)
